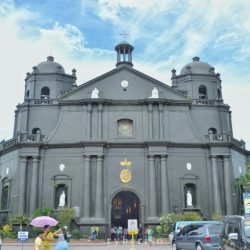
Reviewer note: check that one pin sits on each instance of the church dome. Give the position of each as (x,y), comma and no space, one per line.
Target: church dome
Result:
(50,66)
(197,67)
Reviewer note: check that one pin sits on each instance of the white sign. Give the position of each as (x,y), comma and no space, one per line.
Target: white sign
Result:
(23,235)
(132,225)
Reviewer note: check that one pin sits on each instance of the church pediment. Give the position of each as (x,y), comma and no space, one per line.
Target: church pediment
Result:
(123,83)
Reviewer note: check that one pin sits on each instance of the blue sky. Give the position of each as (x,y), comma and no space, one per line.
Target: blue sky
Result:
(166,34)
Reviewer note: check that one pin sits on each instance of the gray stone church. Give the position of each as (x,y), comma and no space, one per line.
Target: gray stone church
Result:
(122,145)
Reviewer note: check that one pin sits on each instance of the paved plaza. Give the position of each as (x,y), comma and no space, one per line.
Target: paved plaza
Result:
(92,246)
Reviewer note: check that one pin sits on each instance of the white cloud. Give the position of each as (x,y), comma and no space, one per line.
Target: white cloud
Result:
(19,53)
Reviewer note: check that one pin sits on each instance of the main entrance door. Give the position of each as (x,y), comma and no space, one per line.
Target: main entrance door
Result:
(125,205)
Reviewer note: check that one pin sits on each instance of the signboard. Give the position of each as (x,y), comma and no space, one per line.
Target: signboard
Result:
(132,226)
(246,200)
(23,235)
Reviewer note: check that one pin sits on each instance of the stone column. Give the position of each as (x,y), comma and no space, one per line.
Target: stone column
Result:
(86,188)
(152,187)
(161,120)
(99,121)
(150,120)
(216,191)
(34,184)
(89,109)
(99,188)
(227,183)
(22,185)
(164,185)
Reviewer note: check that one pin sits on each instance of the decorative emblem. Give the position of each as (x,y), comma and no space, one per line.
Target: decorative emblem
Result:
(125,175)
(61,167)
(126,163)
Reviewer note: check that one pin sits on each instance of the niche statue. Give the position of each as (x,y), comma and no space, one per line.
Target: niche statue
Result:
(189,199)
(62,199)
(95,93)
(155,93)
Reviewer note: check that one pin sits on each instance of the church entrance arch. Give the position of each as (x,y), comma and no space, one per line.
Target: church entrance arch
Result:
(124,206)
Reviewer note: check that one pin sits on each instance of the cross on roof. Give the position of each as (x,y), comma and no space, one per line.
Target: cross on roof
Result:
(124,35)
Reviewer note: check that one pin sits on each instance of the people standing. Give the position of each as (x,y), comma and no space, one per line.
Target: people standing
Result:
(140,232)
(38,242)
(47,237)
(150,235)
(112,233)
(61,234)
(93,232)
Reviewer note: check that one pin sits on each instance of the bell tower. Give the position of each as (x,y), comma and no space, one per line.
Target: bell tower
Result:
(124,53)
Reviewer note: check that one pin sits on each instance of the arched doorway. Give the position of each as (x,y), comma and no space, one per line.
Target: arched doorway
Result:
(125,205)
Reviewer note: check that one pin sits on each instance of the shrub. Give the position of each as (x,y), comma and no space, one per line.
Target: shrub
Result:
(7,231)
(158,231)
(167,222)
(189,216)
(42,212)
(65,216)
(217,216)
(76,234)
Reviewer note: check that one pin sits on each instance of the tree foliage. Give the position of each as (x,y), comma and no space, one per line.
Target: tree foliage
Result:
(20,220)
(167,221)
(65,216)
(42,212)
(242,183)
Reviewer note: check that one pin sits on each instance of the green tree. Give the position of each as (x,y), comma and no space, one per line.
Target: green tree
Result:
(167,223)
(242,183)
(42,212)
(189,215)
(65,216)
(20,220)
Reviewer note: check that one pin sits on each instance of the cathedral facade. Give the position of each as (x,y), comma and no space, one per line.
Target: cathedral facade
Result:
(122,145)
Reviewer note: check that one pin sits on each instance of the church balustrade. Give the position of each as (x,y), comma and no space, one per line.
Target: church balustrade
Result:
(206,102)
(211,137)
(43,101)
(21,137)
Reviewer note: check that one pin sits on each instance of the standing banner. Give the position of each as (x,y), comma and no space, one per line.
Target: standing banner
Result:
(132,227)
(246,200)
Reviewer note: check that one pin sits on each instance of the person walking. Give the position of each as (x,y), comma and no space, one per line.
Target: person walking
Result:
(61,234)
(38,242)
(47,237)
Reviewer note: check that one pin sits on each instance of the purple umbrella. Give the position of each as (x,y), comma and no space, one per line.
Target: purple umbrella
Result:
(41,221)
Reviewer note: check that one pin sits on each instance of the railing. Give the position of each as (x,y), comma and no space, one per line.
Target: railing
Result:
(21,138)
(41,101)
(224,137)
(184,92)
(240,143)
(206,102)
(64,92)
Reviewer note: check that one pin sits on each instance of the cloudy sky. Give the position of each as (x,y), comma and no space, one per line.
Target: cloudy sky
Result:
(166,34)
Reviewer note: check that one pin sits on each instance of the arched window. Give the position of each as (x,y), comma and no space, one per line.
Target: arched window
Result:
(202,92)
(213,130)
(27,94)
(36,131)
(45,92)
(5,194)
(125,128)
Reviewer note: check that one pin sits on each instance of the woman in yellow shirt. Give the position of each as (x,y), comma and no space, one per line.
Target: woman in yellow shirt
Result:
(47,237)
(38,242)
